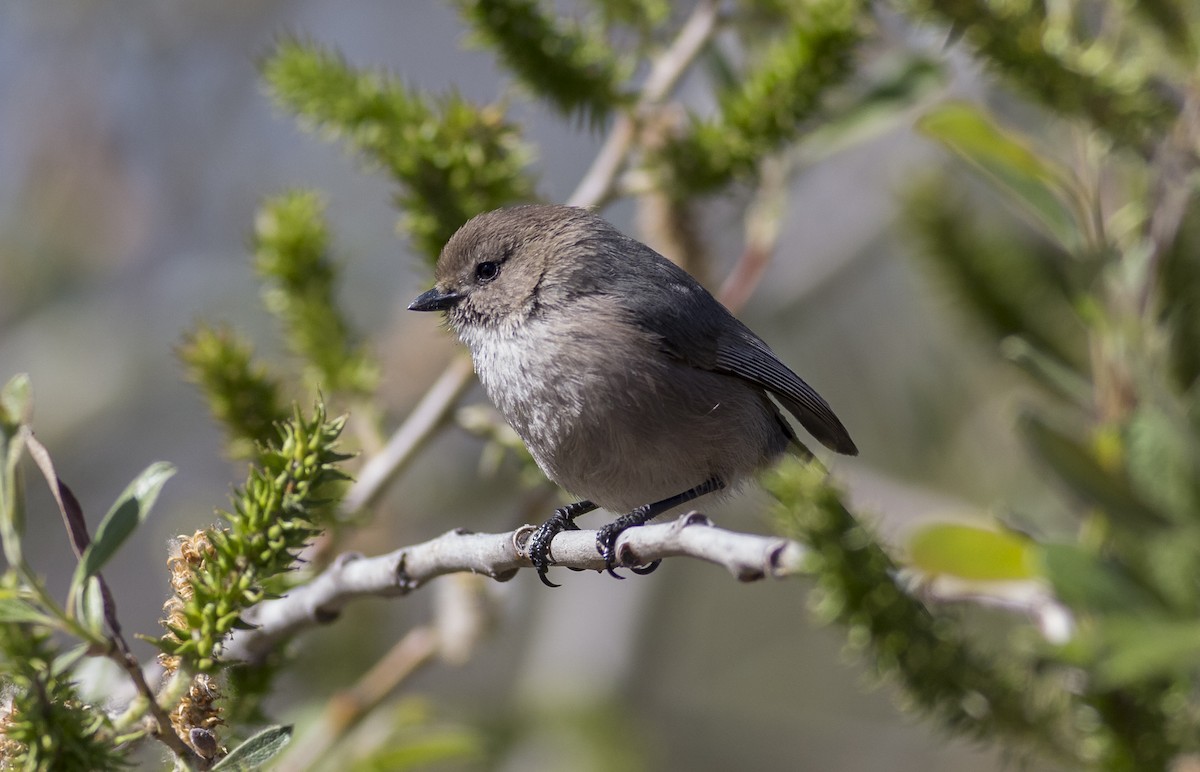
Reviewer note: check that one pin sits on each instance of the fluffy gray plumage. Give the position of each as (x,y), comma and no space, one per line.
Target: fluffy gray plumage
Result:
(627,380)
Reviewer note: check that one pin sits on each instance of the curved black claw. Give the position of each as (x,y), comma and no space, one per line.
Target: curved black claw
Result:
(606,537)
(646,569)
(538,546)
(606,545)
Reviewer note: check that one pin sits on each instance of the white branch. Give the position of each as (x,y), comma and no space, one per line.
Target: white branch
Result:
(1030,598)
(748,557)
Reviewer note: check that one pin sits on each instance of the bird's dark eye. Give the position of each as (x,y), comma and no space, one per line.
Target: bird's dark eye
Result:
(487,271)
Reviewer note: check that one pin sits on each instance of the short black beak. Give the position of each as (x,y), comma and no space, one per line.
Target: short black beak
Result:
(434,300)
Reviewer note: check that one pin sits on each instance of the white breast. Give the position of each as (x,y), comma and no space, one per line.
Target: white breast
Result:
(620,425)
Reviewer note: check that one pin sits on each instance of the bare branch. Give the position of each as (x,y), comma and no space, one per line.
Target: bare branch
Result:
(1032,599)
(500,555)
(420,426)
(763,219)
(599,183)
(348,708)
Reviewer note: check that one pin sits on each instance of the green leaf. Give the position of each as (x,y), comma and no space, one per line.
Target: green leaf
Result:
(1038,185)
(257,750)
(1162,461)
(1084,581)
(1049,370)
(14,610)
(65,662)
(16,402)
(971,553)
(90,607)
(12,499)
(129,511)
(1140,649)
(1078,469)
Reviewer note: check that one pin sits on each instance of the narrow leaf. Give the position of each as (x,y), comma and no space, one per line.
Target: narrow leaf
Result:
(129,511)
(1142,649)
(68,505)
(1087,582)
(257,750)
(1048,369)
(16,611)
(971,553)
(12,500)
(1038,185)
(66,661)
(1078,469)
(1162,461)
(90,606)
(16,402)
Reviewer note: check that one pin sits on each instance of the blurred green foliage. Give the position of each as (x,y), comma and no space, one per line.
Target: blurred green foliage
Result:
(771,101)
(293,261)
(1091,60)
(450,158)
(1092,295)
(943,672)
(47,726)
(1074,250)
(573,67)
(244,399)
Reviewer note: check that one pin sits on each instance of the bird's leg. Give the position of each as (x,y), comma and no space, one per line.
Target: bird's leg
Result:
(606,539)
(538,546)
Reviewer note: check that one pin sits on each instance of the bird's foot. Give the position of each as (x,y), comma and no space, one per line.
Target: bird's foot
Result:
(606,545)
(538,546)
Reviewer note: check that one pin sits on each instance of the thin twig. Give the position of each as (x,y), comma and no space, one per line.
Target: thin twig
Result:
(425,419)
(500,555)
(674,62)
(1033,599)
(346,709)
(763,218)
(76,526)
(599,183)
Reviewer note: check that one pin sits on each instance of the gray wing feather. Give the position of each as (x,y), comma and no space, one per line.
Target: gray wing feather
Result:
(747,357)
(697,329)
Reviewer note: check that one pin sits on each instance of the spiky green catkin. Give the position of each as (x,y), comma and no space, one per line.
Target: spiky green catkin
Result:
(770,103)
(280,508)
(942,673)
(1116,93)
(292,257)
(241,395)
(1011,286)
(47,727)
(571,66)
(451,158)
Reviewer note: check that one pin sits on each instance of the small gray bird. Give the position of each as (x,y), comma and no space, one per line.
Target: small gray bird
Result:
(629,383)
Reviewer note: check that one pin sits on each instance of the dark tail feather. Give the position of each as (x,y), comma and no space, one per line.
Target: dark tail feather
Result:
(822,424)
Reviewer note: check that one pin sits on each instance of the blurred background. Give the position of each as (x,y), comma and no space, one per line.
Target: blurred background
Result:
(135,145)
